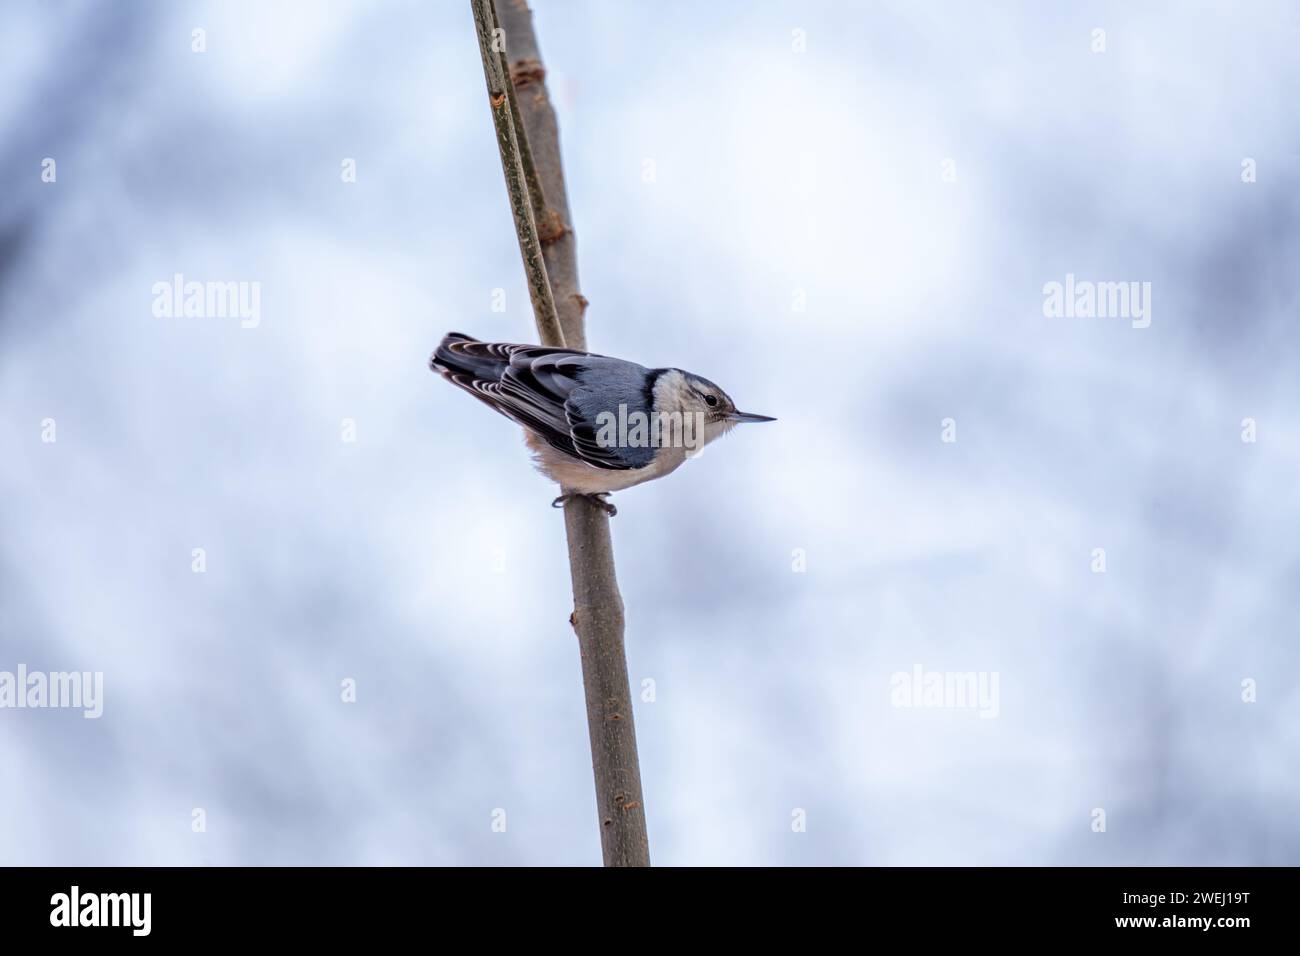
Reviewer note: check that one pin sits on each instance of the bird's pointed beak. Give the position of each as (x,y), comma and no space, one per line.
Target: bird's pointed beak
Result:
(747,417)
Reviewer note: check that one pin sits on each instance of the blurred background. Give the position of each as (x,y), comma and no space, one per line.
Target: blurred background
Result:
(843,213)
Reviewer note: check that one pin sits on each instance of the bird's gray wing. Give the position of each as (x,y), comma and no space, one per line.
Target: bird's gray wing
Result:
(620,389)
(558,394)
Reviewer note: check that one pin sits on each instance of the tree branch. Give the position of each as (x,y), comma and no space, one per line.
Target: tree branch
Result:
(500,94)
(559,244)
(528,139)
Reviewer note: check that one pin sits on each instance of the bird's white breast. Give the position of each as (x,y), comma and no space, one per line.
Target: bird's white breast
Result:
(672,394)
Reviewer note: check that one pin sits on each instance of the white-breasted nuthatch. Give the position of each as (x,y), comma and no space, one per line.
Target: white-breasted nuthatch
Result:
(595,424)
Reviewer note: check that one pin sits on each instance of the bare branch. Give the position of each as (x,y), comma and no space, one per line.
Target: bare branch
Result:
(528,137)
(500,93)
(559,244)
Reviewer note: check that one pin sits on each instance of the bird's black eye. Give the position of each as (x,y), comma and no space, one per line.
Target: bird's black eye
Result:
(710,400)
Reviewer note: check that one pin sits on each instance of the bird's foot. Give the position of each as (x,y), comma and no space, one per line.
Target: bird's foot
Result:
(596,499)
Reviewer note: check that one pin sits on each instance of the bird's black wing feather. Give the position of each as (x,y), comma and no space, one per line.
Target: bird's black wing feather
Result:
(542,389)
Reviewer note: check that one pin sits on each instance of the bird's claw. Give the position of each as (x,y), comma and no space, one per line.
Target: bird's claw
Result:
(596,499)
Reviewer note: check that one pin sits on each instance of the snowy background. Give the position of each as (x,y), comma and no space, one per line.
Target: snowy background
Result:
(848,227)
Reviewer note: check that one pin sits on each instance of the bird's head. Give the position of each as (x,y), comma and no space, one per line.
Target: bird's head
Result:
(708,403)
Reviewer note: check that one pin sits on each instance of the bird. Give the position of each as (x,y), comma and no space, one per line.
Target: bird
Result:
(594,424)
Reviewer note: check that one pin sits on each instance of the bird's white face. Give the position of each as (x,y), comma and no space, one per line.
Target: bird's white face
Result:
(710,401)
(703,401)
(697,403)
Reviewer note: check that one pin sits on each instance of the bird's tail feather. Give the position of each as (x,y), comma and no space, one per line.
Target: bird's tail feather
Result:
(460,355)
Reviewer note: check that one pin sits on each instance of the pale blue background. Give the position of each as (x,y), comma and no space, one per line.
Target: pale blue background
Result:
(776,171)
